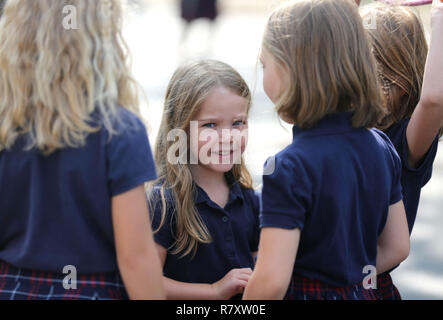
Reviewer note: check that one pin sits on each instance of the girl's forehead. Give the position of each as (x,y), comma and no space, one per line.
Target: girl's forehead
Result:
(223,103)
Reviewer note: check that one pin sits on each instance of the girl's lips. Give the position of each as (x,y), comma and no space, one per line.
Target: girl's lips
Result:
(224,153)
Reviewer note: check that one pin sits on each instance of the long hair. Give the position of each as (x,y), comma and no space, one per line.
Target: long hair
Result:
(52,78)
(189,87)
(323,46)
(400,47)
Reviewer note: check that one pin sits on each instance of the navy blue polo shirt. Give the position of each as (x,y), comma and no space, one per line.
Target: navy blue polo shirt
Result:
(234,231)
(335,183)
(412,179)
(56,210)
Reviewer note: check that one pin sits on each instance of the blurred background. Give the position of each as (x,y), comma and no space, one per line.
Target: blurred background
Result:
(160,40)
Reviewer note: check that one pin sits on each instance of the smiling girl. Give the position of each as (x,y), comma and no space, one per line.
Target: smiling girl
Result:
(205,211)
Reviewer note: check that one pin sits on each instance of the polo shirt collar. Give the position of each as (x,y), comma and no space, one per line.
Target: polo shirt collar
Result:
(235,191)
(332,123)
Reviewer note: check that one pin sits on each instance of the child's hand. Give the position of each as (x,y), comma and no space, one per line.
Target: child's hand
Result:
(234,282)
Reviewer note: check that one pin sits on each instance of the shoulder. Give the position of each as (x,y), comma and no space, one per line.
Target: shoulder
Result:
(126,120)
(385,144)
(382,137)
(383,140)
(287,171)
(121,122)
(126,136)
(291,160)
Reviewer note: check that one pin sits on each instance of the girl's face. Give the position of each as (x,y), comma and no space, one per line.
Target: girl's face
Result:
(222,130)
(275,78)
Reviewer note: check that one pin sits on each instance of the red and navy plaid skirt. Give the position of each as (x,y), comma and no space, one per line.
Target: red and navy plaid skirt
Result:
(301,288)
(386,289)
(21,284)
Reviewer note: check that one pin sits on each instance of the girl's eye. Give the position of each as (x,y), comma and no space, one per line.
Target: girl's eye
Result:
(239,123)
(209,125)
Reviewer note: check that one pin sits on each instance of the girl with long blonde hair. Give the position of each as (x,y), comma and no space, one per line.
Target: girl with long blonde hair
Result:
(331,210)
(74,157)
(411,78)
(205,210)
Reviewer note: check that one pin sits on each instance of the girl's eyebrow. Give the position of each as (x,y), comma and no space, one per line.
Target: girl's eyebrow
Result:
(210,119)
(241,116)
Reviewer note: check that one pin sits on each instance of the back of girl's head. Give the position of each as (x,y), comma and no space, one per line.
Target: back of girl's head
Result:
(400,48)
(323,46)
(61,60)
(189,87)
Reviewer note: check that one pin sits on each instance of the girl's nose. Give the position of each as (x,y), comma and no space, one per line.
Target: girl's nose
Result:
(226,136)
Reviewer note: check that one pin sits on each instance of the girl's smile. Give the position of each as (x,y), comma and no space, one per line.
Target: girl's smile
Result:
(223,130)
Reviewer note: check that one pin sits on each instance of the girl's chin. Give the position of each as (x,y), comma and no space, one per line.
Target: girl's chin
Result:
(222,168)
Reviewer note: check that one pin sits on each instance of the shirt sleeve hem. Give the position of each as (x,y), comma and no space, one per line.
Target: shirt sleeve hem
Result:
(427,159)
(132,183)
(396,198)
(163,242)
(279,220)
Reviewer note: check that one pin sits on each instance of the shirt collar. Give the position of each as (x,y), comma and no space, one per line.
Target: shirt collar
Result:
(331,123)
(235,191)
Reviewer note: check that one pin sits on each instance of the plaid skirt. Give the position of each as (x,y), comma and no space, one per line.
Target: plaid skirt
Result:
(301,288)
(21,284)
(386,289)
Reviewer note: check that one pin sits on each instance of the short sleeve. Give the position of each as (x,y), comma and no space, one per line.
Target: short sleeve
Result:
(129,156)
(164,235)
(423,172)
(425,168)
(286,195)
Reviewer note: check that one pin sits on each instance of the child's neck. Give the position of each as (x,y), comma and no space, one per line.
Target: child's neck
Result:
(213,183)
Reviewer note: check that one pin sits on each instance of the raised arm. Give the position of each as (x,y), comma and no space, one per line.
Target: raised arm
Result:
(427,118)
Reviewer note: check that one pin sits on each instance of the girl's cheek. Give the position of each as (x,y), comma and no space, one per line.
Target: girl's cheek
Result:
(207,138)
(240,141)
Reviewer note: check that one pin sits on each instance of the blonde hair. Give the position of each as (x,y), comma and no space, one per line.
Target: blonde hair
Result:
(400,47)
(52,78)
(189,87)
(323,46)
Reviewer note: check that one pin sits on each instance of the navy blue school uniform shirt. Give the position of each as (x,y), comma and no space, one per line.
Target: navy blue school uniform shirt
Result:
(56,210)
(335,183)
(412,179)
(234,231)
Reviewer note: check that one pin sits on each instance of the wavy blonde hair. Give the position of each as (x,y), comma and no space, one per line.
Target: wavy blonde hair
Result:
(52,79)
(323,46)
(189,87)
(400,47)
